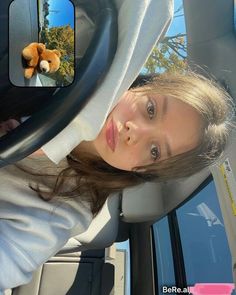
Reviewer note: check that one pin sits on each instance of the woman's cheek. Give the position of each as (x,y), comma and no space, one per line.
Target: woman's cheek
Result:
(134,159)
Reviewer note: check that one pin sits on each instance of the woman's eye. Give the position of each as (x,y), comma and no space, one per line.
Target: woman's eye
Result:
(151,109)
(155,153)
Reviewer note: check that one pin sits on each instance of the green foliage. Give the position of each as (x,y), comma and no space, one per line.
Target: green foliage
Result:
(168,55)
(62,39)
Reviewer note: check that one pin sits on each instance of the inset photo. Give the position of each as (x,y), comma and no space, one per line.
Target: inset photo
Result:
(41,43)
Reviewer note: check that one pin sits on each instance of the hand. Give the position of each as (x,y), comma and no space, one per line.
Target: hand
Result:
(8,125)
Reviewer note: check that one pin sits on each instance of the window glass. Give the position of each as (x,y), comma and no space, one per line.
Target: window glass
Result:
(163,253)
(170,53)
(56,31)
(234,14)
(125,247)
(205,247)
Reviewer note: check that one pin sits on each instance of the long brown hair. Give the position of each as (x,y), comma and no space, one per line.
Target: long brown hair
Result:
(95,180)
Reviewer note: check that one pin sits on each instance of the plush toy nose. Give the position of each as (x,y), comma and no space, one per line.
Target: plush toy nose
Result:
(44,66)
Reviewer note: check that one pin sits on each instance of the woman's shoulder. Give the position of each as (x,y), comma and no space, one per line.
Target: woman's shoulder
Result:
(32,229)
(18,197)
(17,181)
(33,165)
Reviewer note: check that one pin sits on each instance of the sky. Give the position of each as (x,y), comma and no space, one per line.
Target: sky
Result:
(177,26)
(178,23)
(61,13)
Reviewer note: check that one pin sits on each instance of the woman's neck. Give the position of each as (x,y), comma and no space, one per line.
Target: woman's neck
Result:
(85,146)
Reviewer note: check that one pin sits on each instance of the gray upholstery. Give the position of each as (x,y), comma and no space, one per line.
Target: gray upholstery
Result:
(84,276)
(23,28)
(102,231)
(152,201)
(212,50)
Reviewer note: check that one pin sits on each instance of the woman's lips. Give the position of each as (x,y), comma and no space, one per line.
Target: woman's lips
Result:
(111,135)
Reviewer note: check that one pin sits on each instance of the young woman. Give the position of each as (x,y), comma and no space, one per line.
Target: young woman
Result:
(169,127)
(165,127)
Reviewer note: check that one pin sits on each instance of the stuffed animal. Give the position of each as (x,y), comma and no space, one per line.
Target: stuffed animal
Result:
(38,58)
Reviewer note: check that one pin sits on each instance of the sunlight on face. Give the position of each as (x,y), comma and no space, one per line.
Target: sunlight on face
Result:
(143,129)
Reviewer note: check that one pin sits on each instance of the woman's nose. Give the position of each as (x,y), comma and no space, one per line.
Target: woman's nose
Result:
(133,132)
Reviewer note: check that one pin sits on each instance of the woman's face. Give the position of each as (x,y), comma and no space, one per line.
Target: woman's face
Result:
(143,129)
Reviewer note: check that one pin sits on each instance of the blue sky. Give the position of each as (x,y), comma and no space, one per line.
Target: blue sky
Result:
(178,23)
(63,15)
(177,26)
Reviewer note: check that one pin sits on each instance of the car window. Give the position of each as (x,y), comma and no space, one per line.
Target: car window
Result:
(235,15)
(163,254)
(203,240)
(205,247)
(125,246)
(56,31)
(171,51)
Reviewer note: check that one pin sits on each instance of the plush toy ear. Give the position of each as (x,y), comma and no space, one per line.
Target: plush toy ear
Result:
(41,47)
(57,52)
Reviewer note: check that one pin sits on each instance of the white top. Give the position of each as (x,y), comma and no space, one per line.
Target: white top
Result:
(141,23)
(32,230)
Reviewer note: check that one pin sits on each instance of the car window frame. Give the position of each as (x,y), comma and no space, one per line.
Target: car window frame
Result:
(176,244)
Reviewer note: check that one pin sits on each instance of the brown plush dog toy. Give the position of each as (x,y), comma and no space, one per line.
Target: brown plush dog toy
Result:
(39,58)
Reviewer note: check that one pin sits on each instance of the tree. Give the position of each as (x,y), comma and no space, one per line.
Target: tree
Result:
(169,54)
(46,22)
(62,39)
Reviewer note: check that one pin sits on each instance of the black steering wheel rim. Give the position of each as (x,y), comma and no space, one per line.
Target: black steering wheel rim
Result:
(68,101)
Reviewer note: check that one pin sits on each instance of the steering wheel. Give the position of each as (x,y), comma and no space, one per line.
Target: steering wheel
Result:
(68,101)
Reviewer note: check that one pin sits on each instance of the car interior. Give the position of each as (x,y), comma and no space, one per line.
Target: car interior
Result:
(89,263)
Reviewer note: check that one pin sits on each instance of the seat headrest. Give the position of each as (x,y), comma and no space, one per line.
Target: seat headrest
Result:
(152,201)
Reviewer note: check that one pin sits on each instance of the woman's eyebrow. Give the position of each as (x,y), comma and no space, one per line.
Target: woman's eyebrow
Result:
(163,114)
(164,106)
